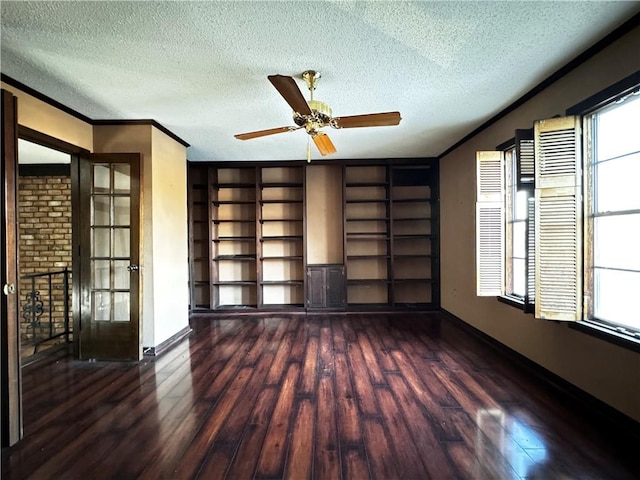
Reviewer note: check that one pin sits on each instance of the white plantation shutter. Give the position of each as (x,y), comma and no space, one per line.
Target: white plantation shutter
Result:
(525,165)
(558,215)
(489,223)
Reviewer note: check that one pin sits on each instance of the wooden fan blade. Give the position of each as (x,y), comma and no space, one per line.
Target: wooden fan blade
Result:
(368,120)
(324,144)
(263,133)
(291,93)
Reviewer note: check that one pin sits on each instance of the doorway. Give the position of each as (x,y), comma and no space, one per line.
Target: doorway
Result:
(44,249)
(63,204)
(86,222)
(11,312)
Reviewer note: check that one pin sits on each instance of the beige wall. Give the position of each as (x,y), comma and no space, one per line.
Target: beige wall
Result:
(324,214)
(606,371)
(44,118)
(169,236)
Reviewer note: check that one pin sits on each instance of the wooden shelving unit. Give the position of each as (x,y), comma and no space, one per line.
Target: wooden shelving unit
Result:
(199,240)
(247,243)
(367,241)
(390,239)
(413,236)
(232,198)
(281,237)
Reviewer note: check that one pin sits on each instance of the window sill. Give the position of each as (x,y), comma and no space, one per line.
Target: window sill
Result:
(607,334)
(517,302)
(513,301)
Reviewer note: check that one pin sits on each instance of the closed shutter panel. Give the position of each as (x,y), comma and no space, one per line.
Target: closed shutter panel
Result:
(558,213)
(490,223)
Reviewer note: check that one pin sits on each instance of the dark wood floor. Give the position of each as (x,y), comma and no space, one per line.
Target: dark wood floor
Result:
(320,396)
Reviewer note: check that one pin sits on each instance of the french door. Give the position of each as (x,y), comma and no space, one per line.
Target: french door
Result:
(109,260)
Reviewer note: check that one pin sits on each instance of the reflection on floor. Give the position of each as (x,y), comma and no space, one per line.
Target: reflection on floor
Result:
(29,352)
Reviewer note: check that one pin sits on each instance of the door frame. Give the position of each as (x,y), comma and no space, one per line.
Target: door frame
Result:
(76,153)
(10,376)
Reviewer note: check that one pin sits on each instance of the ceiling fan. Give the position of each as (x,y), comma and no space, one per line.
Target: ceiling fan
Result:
(315,115)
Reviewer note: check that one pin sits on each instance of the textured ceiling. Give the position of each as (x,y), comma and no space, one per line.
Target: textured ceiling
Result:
(200,68)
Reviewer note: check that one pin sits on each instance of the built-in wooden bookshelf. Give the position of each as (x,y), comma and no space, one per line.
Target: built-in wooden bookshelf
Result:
(281,237)
(390,239)
(232,198)
(412,236)
(248,243)
(199,259)
(367,241)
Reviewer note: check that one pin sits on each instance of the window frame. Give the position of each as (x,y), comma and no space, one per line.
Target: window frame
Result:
(517,178)
(611,331)
(511,191)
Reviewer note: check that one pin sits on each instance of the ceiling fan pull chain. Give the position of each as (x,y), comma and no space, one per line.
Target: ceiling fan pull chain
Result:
(308,150)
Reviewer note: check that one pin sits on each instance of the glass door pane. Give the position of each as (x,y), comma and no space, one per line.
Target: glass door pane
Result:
(110,242)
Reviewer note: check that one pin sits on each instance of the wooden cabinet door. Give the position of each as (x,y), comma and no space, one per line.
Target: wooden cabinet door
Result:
(316,297)
(335,287)
(325,286)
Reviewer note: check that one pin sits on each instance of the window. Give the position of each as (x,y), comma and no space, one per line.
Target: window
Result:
(507,236)
(519,176)
(515,222)
(570,214)
(613,160)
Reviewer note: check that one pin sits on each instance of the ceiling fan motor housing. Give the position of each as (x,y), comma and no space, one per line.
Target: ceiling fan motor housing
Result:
(320,116)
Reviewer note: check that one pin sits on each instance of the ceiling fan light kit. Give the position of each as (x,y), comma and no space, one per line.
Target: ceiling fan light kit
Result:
(313,115)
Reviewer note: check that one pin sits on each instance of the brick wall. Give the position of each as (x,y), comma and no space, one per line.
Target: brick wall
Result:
(44,230)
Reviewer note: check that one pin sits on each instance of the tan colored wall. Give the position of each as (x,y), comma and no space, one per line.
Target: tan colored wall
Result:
(324,214)
(169,237)
(44,118)
(602,369)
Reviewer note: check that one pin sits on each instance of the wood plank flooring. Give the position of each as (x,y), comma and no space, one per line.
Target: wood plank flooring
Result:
(356,396)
